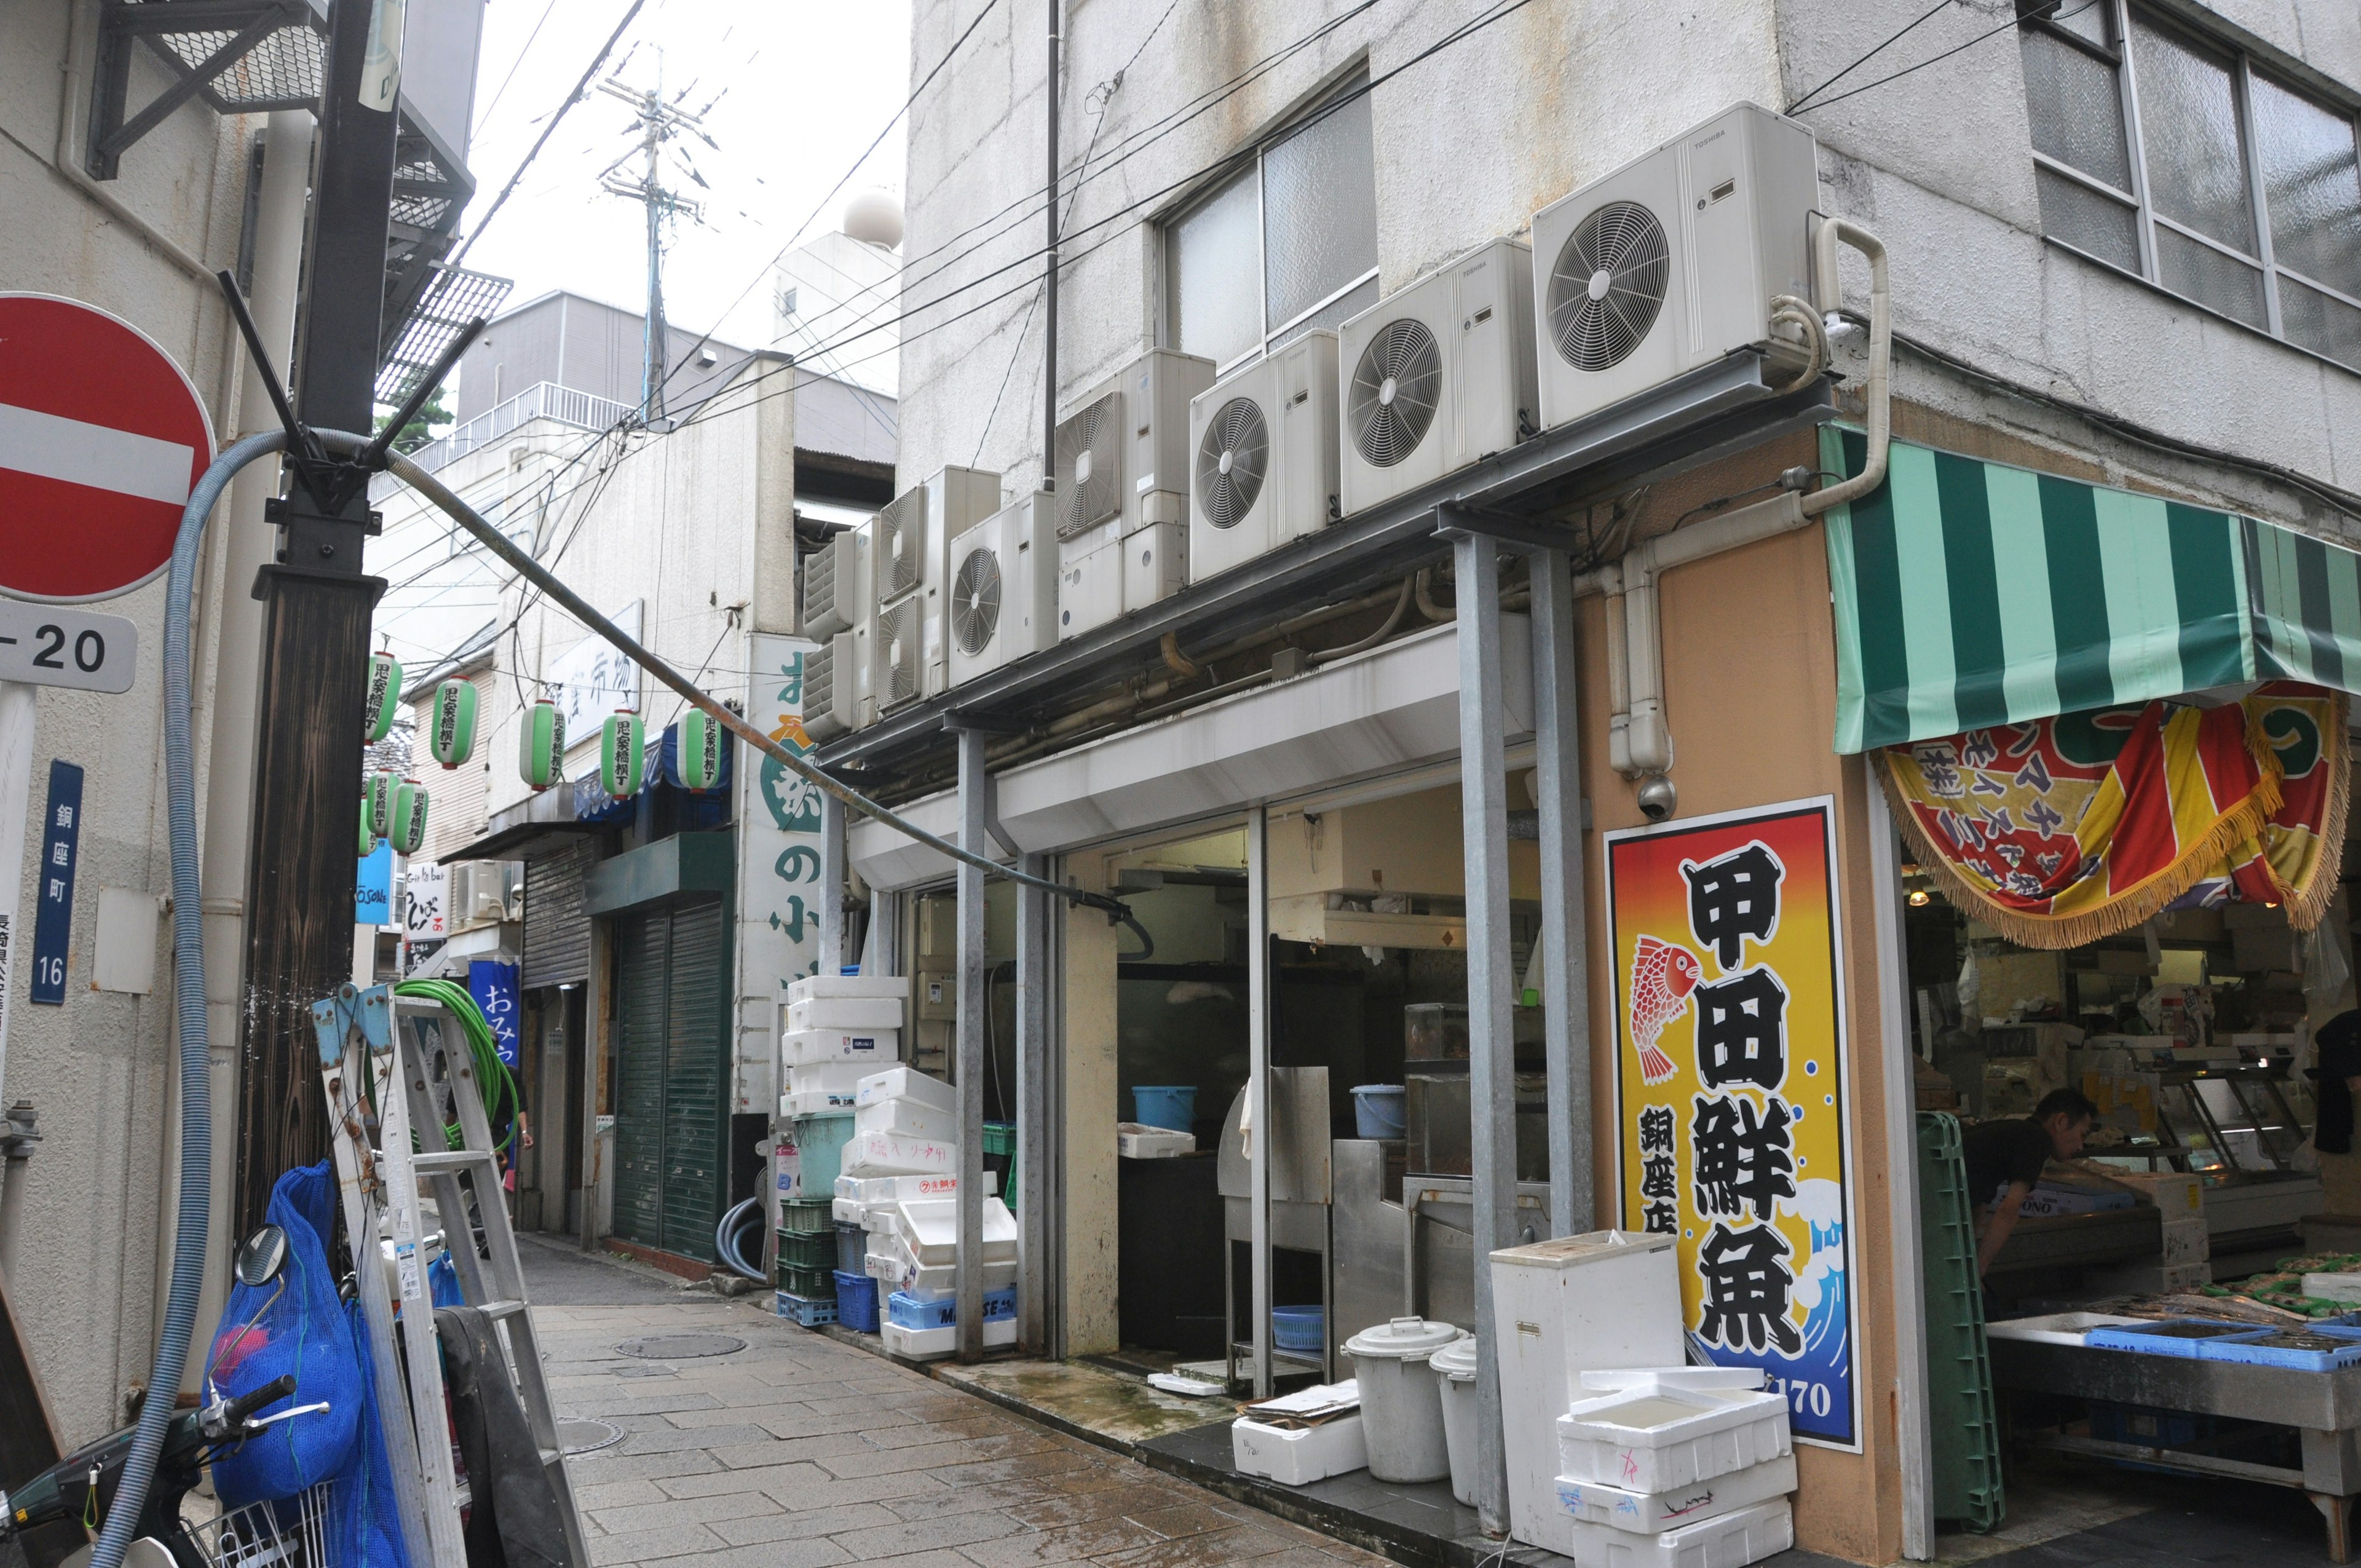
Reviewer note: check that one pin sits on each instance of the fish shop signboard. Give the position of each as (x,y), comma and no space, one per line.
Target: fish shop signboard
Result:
(1731,1111)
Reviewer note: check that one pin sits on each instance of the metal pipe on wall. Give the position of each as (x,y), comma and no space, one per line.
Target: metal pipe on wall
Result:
(1034,1141)
(1565,954)
(831,884)
(1258,1129)
(975,816)
(1492,1025)
(1049,271)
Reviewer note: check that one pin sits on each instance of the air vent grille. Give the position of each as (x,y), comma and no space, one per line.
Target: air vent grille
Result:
(901,663)
(1232,460)
(1090,466)
(1608,285)
(902,545)
(1396,389)
(975,601)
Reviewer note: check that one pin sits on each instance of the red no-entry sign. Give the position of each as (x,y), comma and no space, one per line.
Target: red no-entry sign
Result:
(101,438)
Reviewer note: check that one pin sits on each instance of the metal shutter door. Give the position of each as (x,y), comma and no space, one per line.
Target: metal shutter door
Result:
(644,943)
(695,1082)
(556,931)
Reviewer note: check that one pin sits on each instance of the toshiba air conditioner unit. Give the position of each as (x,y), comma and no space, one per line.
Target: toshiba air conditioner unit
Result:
(1265,463)
(909,561)
(835,685)
(901,671)
(1003,588)
(836,590)
(1672,261)
(1122,469)
(1439,375)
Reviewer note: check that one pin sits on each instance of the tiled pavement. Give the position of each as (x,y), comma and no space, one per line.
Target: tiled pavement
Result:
(799,1452)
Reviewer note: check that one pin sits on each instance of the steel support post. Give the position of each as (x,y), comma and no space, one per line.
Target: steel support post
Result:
(1029,1178)
(1898,1088)
(975,816)
(1258,1129)
(1565,950)
(831,884)
(1491,1033)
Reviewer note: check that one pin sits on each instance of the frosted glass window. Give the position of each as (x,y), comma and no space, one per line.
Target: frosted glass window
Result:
(2321,323)
(2311,185)
(2076,109)
(1216,268)
(2088,221)
(1320,205)
(2189,128)
(2210,276)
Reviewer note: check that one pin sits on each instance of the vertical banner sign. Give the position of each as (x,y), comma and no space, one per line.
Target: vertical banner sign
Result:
(373,887)
(54,919)
(494,987)
(778,870)
(1730,1112)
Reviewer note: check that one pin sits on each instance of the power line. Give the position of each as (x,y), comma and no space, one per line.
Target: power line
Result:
(502,92)
(1992,32)
(1864,59)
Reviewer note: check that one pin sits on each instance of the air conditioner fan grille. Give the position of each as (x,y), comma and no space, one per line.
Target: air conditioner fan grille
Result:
(1090,466)
(1232,460)
(1396,387)
(975,601)
(1608,285)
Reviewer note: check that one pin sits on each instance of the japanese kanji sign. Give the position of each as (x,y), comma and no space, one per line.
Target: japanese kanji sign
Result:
(778,867)
(54,880)
(1729,1097)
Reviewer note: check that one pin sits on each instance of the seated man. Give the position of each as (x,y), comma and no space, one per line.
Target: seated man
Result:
(2005,1159)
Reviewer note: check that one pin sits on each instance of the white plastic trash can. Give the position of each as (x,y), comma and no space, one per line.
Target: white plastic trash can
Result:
(1454,1374)
(1400,1398)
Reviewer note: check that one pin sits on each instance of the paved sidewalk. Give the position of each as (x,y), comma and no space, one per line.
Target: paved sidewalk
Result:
(798,1452)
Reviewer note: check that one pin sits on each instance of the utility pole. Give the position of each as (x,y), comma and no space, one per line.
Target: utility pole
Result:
(316,610)
(1050,278)
(657,122)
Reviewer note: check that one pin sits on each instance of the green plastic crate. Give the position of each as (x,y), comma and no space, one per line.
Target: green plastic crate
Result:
(1000,1157)
(811,1283)
(820,1141)
(1960,1410)
(808,1213)
(808,1249)
(1000,1137)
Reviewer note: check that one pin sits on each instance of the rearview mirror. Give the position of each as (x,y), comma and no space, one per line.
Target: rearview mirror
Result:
(261,1255)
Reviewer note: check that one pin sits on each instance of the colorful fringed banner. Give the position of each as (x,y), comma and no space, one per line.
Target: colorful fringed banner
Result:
(2060,832)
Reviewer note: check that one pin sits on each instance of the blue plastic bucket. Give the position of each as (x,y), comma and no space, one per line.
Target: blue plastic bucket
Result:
(1172,1106)
(856,1301)
(1297,1328)
(1377,1110)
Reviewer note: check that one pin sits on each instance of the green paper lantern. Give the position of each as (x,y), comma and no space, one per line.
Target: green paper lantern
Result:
(409,833)
(623,755)
(384,696)
(369,839)
(377,804)
(702,739)
(453,738)
(541,745)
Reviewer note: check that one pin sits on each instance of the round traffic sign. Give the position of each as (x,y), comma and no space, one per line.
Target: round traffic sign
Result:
(101,438)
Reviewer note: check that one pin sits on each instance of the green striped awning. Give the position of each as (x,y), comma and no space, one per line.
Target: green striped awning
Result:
(1970,593)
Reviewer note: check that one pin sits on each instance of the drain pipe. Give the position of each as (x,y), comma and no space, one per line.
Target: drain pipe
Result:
(1640,738)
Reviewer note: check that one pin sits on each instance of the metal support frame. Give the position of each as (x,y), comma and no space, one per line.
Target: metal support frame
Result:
(831,883)
(975,814)
(1566,948)
(1492,1025)
(1258,1136)
(1036,1141)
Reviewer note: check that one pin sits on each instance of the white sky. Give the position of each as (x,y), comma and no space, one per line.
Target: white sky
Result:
(808,84)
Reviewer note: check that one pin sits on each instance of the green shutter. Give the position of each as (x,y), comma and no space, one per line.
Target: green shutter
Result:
(696,1080)
(644,955)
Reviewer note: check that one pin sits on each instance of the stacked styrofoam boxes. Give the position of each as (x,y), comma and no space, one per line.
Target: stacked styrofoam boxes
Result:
(1682,1467)
(835,1030)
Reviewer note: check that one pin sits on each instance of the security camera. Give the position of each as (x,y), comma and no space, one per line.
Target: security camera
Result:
(1658,798)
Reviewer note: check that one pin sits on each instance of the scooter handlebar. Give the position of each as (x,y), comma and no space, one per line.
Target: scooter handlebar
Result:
(271,1393)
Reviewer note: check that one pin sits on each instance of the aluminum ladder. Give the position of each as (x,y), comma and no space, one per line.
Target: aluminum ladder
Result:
(409,1056)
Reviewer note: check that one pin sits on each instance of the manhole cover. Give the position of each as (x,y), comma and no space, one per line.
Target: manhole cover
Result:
(588,1437)
(681,1347)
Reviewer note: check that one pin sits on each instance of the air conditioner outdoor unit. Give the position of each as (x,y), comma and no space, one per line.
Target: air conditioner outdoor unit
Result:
(1264,443)
(1439,375)
(837,589)
(1122,459)
(835,685)
(1672,261)
(1003,593)
(901,671)
(909,559)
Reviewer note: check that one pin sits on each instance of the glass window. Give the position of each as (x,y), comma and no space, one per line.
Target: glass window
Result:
(2148,147)
(1289,244)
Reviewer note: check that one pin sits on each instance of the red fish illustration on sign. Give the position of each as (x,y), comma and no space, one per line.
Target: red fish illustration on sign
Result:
(1661,978)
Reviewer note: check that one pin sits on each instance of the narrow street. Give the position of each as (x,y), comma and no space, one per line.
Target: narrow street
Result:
(797,1451)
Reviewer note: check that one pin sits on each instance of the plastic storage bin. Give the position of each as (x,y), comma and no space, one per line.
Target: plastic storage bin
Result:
(1652,1440)
(806,1213)
(856,1301)
(1172,1106)
(2187,1338)
(808,1249)
(1377,1114)
(1960,1403)
(809,1310)
(1401,1398)
(1455,1368)
(813,1284)
(851,1245)
(1298,1328)
(935,1311)
(820,1141)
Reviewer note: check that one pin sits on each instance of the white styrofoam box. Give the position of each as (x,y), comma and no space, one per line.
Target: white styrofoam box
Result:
(1650,1513)
(882,1217)
(1297,1456)
(1654,1442)
(2333,1287)
(905,1118)
(1562,1308)
(930,1225)
(2055,1328)
(882,1189)
(838,1075)
(884,1154)
(1725,1540)
(928,1344)
(814,1103)
(888,1259)
(2185,1241)
(1133,1141)
(2177,1194)
(849,1210)
(866,1048)
(908,1083)
(1607,1380)
(867,1013)
(813,987)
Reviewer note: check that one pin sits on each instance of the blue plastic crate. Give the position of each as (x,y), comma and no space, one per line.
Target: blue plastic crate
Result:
(856,1301)
(908,1311)
(2307,1349)
(2183,1337)
(805,1310)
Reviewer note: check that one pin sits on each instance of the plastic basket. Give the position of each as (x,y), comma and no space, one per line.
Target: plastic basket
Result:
(286,1533)
(1000,1157)
(818,1283)
(808,1249)
(1297,1328)
(852,1247)
(934,1312)
(1960,1403)
(808,1213)
(810,1311)
(1000,1137)
(856,1301)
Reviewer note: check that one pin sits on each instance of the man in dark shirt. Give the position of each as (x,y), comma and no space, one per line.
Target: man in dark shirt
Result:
(2005,1157)
(2338,1074)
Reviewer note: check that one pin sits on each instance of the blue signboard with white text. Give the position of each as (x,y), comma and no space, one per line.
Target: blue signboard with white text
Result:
(494,987)
(373,887)
(53,916)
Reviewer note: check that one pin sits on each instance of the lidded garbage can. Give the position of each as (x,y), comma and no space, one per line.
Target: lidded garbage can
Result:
(1455,1376)
(1401,1406)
